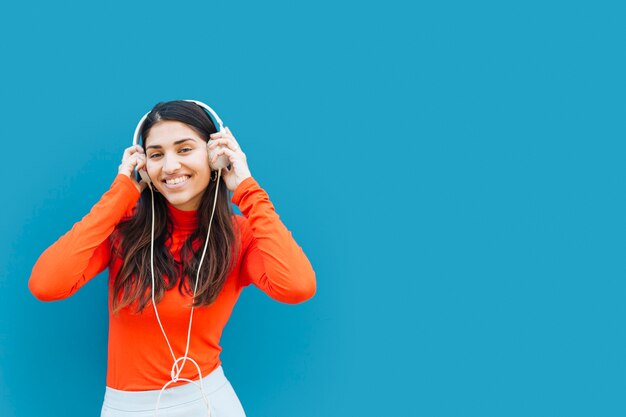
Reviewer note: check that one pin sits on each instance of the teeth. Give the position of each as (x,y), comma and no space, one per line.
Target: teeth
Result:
(177,180)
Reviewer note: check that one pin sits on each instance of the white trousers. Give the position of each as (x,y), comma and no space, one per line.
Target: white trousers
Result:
(183,400)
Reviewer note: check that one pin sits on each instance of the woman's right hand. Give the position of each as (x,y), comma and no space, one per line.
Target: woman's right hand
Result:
(133,158)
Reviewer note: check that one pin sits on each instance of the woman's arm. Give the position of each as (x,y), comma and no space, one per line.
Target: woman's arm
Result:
(271,259)
(84,251)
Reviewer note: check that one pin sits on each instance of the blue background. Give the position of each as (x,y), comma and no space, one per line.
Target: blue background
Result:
(453,170)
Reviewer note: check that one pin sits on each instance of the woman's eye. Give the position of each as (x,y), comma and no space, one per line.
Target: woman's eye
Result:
(155,155)
(186,149)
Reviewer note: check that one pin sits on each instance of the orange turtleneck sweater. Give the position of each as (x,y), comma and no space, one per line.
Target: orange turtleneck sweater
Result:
(138,356)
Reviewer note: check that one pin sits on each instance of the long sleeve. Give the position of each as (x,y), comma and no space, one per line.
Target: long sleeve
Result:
(272,260)
(84,251)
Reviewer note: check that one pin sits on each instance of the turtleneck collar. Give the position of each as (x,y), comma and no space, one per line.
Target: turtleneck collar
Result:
(183,220)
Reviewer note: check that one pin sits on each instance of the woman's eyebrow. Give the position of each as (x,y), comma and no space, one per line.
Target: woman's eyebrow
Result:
(178,142)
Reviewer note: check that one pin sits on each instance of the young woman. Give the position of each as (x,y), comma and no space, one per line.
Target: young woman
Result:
(163,349)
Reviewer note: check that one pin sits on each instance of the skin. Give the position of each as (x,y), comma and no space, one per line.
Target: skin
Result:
(167,158)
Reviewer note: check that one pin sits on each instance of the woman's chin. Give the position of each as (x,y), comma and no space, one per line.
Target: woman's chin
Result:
(176,201)
(183,202)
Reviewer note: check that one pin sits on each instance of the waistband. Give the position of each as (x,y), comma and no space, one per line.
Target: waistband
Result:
(146,400)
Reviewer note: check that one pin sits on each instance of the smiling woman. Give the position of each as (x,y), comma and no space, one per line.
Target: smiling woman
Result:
(180,146)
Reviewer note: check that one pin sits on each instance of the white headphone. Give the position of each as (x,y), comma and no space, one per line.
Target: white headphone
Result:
(218,165)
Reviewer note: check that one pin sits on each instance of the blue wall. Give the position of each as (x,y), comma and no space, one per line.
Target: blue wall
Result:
(454,171)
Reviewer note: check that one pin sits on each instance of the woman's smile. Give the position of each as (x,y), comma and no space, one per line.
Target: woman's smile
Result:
(175,183)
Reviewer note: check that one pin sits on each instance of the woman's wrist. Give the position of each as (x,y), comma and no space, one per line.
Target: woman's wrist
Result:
(242,179)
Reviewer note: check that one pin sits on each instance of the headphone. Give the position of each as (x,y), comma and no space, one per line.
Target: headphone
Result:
(221,162)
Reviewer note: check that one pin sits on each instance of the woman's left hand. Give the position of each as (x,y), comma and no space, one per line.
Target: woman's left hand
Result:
(239,170)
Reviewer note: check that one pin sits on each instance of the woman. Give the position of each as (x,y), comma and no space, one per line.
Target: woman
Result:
(158,360)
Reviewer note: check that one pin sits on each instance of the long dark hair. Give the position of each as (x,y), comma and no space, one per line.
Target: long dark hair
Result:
(131,238)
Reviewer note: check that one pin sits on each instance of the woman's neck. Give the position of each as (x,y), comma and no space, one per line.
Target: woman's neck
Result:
(183,220)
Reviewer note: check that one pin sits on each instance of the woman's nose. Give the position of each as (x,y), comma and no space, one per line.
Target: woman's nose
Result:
(171,164)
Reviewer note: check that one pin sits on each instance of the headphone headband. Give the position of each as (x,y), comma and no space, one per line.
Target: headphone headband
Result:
(199,103)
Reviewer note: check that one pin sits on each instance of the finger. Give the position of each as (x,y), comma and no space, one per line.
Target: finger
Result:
(126,153)
(134,160)
(217,141)
(223,151)
(141,163)
(135,149)
(230,143)
(232,136)
(127,161)
(227,134)
(132,150)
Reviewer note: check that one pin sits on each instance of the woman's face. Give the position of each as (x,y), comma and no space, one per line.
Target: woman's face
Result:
(178,163)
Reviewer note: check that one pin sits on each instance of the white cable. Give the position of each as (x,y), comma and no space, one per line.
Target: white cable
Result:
(176,370)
